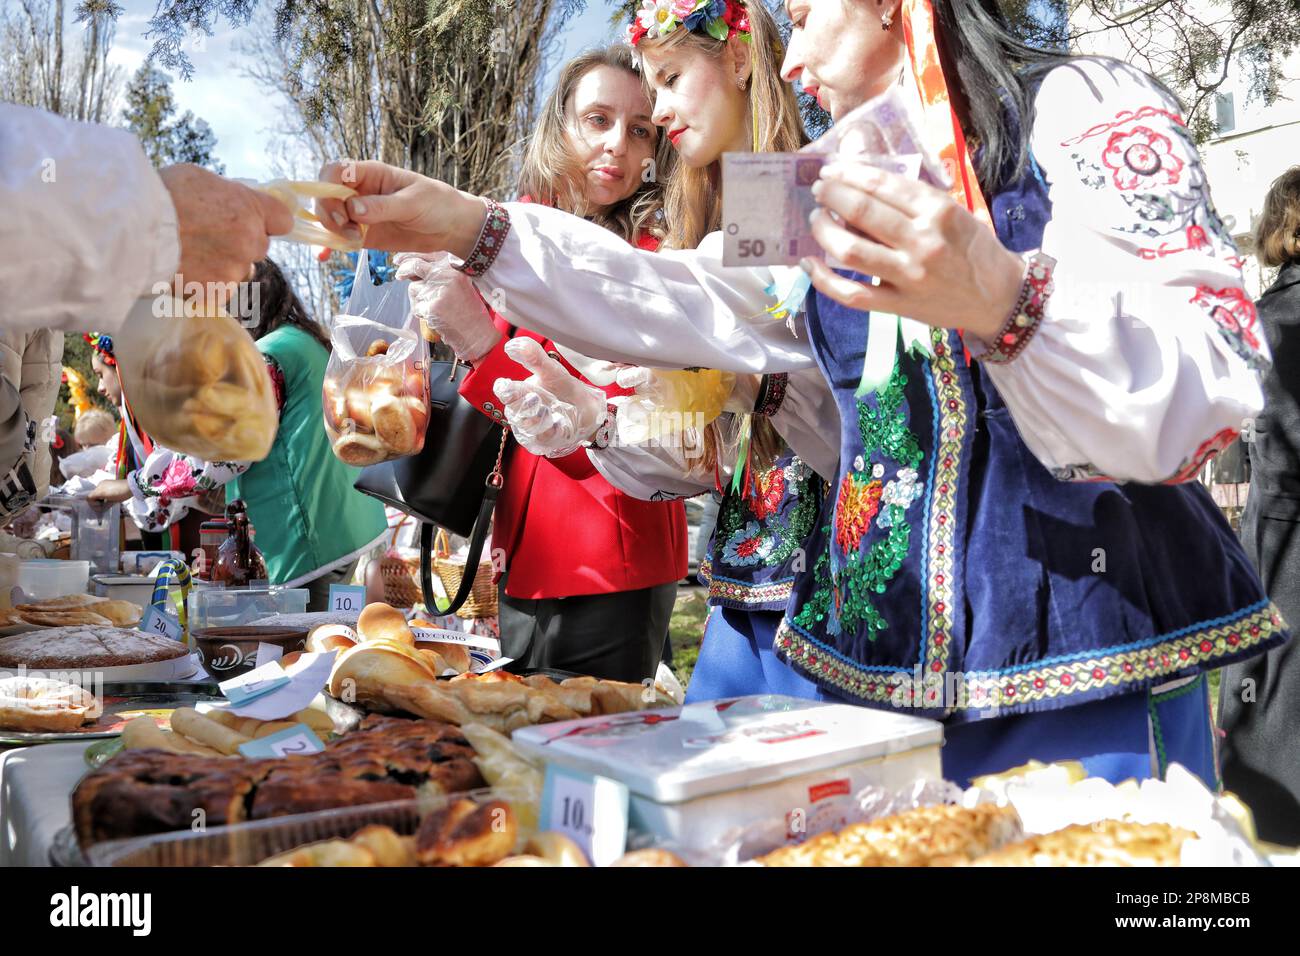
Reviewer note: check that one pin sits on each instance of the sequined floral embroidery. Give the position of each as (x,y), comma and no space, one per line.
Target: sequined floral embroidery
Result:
(859,500)
(846,577)
(765,529)
(748,546)
(771,489)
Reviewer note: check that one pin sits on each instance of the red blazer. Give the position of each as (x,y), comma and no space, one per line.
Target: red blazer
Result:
(564,529)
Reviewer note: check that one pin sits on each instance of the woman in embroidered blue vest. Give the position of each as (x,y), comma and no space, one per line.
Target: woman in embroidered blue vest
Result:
(1013,542)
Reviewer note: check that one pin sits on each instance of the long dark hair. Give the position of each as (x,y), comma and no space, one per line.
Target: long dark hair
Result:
(278,305)
(992,69)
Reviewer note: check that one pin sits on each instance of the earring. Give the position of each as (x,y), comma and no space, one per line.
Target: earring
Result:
(887,19)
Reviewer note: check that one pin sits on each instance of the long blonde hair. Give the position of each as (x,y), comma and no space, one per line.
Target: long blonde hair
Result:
(693,197)
(551,174)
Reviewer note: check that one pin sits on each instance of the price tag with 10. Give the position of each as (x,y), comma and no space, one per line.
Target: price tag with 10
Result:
(590,810)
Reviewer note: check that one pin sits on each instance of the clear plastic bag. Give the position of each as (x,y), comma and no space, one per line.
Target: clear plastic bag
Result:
(376,392)
(196,382)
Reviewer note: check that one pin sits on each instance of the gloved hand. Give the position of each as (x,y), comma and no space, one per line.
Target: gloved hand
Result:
(447,304)
(551,412)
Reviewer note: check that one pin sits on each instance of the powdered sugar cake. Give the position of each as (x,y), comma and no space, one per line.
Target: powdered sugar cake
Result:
(84,646)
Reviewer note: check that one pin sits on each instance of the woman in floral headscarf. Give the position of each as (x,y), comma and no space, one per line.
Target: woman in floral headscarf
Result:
(1041,570)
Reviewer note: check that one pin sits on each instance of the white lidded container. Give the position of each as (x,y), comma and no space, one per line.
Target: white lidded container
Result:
(41,579)
(696,772)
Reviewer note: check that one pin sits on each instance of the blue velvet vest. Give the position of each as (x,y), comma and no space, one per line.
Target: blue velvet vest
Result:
(759,544)
(953,576)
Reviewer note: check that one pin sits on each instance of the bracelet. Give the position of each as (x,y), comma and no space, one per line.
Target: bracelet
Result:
(1027,315)
(605,432)
(489,242)
(771,394)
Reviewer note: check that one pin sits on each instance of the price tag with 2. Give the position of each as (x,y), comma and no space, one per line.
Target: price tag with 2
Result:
(297,739)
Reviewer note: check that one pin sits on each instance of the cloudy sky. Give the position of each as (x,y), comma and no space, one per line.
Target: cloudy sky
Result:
(242,114)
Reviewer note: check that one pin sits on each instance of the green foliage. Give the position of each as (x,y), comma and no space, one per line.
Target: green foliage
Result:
(76,355)
(150,108)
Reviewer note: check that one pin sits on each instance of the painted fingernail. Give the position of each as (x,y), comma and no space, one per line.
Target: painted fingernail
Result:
(358,207)
(818,188)
(806,265)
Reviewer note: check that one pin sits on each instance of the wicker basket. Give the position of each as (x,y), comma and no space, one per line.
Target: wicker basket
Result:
(482,600)
(401,575)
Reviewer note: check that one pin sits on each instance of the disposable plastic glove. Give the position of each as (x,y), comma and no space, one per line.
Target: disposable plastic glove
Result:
(448,306)
(551,412)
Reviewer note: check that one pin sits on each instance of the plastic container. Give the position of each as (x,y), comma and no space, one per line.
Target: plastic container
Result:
(136,588)
(697,772)
(48,578)
(247,844)
(142,562)
(221,607)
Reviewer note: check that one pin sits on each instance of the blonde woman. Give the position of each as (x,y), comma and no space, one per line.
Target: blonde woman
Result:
(590,572)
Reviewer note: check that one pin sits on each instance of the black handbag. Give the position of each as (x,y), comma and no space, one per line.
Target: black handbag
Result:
(453,482)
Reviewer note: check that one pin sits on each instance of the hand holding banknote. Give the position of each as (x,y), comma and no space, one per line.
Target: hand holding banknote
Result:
(934,260)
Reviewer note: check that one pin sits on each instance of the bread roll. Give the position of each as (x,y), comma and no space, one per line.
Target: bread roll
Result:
(394,425)
(379,622)
(142,733)
(454,656)
(358,406)
(204,730)
(367,673)
(359,449)
(649,858)
(386,846)
(557,848)
(331,637)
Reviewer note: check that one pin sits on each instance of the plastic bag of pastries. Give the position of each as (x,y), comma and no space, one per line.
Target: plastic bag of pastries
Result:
(376,392)
(195,379)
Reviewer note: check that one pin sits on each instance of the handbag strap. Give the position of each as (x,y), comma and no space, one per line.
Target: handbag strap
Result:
(492,486)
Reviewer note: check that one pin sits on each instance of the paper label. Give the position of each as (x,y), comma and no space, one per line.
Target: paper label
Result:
(258,682)
(347,598)
(590,810)
(157,621)
(303,681)
(268,653)
(297,739)
(456,637)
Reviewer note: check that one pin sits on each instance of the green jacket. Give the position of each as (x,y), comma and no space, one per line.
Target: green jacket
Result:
(300,498)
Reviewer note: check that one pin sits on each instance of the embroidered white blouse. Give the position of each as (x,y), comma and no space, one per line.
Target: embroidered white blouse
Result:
(1148,356)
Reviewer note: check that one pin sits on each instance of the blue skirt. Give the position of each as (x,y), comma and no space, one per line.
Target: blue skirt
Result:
(737,660)
(1132,736)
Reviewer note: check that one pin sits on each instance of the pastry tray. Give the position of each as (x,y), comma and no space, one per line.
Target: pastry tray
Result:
(246,844)
(124,701)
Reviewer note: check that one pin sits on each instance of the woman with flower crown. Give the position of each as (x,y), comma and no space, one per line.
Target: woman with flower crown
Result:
(1014,542)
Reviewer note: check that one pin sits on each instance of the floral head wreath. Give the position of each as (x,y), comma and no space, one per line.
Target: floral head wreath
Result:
(720,19)
(103,344)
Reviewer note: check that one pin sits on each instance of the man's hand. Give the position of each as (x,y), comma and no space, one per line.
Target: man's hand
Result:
(224,226)
(403,211)
(111,492)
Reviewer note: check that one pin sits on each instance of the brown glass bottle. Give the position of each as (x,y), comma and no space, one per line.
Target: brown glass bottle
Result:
(238,563)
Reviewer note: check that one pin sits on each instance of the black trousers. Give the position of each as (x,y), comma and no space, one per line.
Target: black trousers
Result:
(616,636)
